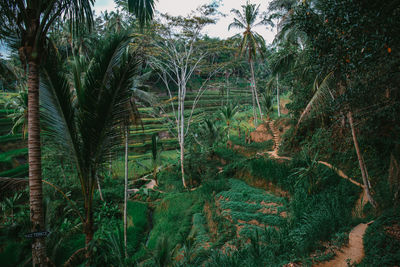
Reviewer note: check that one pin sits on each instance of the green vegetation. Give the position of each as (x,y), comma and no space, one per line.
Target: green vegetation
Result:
(381,240)
(163,146)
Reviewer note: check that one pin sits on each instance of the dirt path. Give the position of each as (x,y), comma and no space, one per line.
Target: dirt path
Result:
(274,154)
(353,253)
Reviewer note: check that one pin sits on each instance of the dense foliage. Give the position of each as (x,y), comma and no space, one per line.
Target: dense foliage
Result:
(174,112)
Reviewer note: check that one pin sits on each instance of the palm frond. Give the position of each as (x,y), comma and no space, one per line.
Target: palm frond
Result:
(322,92)
(143,10)
(58,111)
(236,24)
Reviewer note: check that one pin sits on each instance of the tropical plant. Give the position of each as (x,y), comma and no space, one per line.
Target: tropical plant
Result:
(19,116)
(163,255)
(251,42)
(308,175)
(155,155)
(25,25)
(9,205)
(228,113)
(267,102)
(86,114)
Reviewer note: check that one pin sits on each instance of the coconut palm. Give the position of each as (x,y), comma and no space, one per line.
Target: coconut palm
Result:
(252,42)
(26,24)
(86,113)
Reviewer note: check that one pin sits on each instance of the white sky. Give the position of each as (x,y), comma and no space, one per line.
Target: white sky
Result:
(184,7)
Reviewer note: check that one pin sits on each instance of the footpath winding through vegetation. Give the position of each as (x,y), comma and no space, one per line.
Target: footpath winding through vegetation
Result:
(354,251)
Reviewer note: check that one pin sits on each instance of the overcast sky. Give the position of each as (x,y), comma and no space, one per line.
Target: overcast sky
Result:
(183,7)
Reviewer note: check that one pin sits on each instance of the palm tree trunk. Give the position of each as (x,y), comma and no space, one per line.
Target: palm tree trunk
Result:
(254,103)
(277,96)
(88,230)
(35,165)
(255,88)
(126,192)
(363,167)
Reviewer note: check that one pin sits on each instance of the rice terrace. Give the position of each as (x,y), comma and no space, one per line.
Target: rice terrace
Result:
(215,133)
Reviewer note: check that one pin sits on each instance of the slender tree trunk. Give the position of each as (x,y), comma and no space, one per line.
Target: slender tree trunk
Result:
(255,88)
(89,232)
(126,192)
(99,187)
(277,96)
(254,103)
(182,139)
(35,166)
(363,168)
(110,168)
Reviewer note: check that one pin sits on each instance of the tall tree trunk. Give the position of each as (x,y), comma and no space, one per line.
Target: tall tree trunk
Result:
(126,192)
(255,88)
(363,168)
(35,165)
(277,96)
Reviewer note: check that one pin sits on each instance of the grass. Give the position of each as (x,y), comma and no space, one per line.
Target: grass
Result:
(314,217)
(142,164)
(138,225)
(244,203)
(173,217)
(382,248)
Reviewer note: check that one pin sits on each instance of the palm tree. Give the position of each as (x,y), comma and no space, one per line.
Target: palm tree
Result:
(26,24)
(251,43)
(322,95)
(228,112)
(87,112)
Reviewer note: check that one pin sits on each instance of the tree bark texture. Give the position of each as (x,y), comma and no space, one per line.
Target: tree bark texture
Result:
(35,165)
(89,232)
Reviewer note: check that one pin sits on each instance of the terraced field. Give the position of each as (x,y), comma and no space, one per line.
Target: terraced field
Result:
(248,210)
(159,120)
(13,148)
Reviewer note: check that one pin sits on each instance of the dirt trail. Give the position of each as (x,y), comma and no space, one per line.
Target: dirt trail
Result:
(274,154)
(354,251)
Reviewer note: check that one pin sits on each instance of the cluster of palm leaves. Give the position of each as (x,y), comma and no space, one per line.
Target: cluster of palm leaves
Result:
(86,104)
(228,113)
